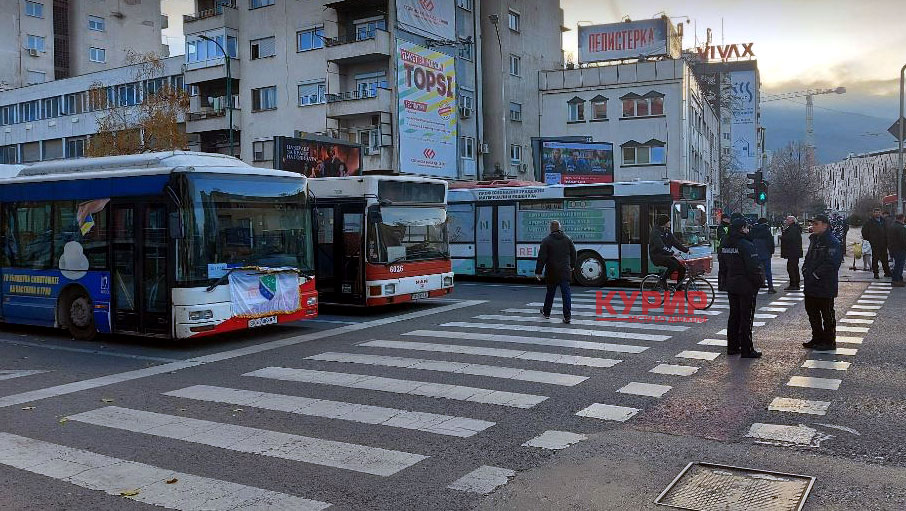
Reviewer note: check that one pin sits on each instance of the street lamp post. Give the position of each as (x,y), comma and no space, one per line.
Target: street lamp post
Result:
(495,20)
(229,88)
(900,143)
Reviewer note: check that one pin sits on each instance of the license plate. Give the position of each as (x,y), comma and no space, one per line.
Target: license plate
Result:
(419,296)
(268,320)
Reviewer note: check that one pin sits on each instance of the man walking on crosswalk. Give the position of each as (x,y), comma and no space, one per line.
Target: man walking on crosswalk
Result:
(556,260)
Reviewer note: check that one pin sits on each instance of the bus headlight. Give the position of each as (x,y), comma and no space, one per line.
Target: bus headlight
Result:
(448,281)
(389,289)
(200,315)
(312,300)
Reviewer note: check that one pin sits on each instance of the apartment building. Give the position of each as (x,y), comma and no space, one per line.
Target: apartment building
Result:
(44,40)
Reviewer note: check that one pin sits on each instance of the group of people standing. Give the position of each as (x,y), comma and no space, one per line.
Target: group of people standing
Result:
(886,235)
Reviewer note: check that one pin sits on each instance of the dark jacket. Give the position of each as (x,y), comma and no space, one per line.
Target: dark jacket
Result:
(723,229)
(896,238)
(791,242)
(822,264)
(742,269)
(660,241)
(763,240)
(875,231)
(556,258)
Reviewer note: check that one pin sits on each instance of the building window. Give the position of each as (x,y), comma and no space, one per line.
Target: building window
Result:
(599,108)
(311,39)
(74,103)
(127,95)
(467,148)
(312,93)
(649,105)
(515,65)
(96,23)
(466,103)
(75,148)
(726,135)
(262,150)
(516,112)
(367,84)
(370,140)
(466,50)
(254,4)
(264,98)
(652,152)
(34,42)
(29,111)
(8,115)
(34,9)
(36,77)
(513,20)
(515,153)
(465,4)
(264,47)
(9,154)
(366,28)
(97,54)
(200,50)
(576,110)
(51,107)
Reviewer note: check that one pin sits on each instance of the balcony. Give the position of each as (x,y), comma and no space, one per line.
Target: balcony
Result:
(224,15)
(213,116)
(359,102)
(355,48)
(213,69)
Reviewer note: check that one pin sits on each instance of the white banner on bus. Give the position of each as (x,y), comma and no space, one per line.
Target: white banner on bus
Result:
(254,293)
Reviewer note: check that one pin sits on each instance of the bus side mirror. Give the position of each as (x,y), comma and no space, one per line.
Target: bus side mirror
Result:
(175,226)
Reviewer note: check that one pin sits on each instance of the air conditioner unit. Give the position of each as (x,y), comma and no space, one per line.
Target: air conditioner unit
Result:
(33,52)
(465,112)
(485,149)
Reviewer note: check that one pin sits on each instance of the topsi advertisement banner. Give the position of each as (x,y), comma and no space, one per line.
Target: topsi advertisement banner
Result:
(617,41)
(426,83)
(433,19)
(742,122)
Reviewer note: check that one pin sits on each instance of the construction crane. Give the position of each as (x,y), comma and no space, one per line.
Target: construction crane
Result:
(808,94)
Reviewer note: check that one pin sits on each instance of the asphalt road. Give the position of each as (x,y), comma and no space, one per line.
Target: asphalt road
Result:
(474,401)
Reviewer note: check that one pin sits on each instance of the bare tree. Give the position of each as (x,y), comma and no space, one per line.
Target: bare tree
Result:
(147,117)
(792,187)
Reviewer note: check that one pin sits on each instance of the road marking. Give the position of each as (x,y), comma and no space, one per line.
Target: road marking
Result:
(608,412)
(397,386)
(70,349)
(781,304)
(849,340)
(765,316)
(538,341)
(876,302)
(444,366)
(721,332)
(856,329)
(111,379)
(483,480)
(856,321)
(839,351)
(786,404)
(554,358)
(796,293)
(9,374)
(773,309)
(563,331)
(607,323)
(698,355)
(814,383)
(713,342)
(317,451)
(674,370)
(862,313)
(867,307)
(875,292)
(790,299)
(758,323)
(555,440)
(644,389)
(365,414)
(799,435)
(113,476)
(826,364)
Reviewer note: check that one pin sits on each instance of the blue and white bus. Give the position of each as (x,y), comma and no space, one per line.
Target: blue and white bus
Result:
(172,245)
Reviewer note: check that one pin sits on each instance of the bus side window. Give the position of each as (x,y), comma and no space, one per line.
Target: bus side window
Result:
(31,240)
(630,223)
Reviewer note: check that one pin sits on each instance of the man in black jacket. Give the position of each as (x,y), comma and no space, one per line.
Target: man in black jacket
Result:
(763,240)
(660,241)
(875,231)
(820,276)
(556,259)
(896,243)
(744,275)
(791,250)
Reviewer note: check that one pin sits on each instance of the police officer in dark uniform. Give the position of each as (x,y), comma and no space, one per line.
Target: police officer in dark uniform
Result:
(744,275)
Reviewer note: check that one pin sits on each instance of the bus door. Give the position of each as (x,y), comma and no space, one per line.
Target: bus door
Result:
(495,239)
(140,287)
(636,224)
(340,252)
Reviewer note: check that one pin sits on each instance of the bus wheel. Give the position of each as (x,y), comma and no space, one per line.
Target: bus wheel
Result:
(590,269)
(81,318)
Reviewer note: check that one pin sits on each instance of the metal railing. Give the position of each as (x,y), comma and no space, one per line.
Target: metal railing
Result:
(352,38)
(354,95)
(217,10)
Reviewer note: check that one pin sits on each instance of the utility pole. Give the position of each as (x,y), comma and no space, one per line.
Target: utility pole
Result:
(900,142)
(495,20)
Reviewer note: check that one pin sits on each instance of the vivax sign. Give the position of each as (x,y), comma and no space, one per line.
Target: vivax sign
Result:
(726,51)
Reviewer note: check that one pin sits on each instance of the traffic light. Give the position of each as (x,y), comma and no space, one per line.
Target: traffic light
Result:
(759,187)
(762,194)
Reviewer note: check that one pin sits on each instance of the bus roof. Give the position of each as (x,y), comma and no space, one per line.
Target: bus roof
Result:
(360,186)
(131,165)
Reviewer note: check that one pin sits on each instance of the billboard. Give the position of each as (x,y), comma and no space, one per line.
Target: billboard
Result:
(743,132)
(426,81)
(617,41)
(577,162)
(317,158)
(433,19)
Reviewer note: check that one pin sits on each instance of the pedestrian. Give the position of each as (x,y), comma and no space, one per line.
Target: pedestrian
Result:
(764,246)
(791,250)
(875,231)
(744,276)
(820,276)
(556,260)
(866,255)
(722,230)
(896,243)
(660,243)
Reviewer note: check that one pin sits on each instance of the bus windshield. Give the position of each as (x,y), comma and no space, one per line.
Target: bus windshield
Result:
(690,223)
(242,220)
(407,234)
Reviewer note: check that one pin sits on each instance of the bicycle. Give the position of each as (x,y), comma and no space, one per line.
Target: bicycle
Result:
(693,285)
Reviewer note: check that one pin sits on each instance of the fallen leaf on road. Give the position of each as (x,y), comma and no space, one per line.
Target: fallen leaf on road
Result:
(238,410)
(129,493)
(28,407)
(106,400)
(64,420)
(172,481)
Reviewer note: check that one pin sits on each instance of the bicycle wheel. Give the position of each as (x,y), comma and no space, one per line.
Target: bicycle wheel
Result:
(653,286)
(699,293)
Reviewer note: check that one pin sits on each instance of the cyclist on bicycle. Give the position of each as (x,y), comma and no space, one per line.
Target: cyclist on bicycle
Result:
(660,244)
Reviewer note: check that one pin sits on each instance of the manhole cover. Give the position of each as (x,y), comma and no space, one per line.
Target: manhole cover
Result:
(709,487)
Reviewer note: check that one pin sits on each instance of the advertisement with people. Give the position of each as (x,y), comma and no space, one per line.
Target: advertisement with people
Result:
(316,158)
(577,162)
(427,111)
